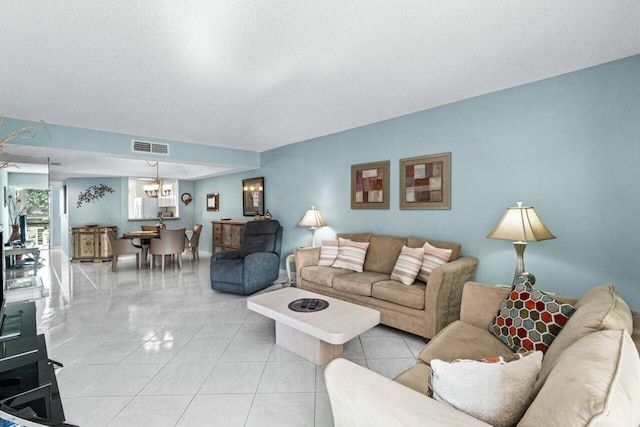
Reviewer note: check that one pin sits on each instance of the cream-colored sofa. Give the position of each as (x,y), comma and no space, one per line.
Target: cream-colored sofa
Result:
(418,308)
(590,374)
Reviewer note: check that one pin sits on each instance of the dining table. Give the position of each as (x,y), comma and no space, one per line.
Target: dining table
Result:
(145,237)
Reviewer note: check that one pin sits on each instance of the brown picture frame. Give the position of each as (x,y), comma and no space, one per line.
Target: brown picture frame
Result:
(425,182)
(370,185)
(213,202)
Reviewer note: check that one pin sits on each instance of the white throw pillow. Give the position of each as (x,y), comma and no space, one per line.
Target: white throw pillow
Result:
(496,390)
(408,265)
(328,252)
(433,257)
(351,255)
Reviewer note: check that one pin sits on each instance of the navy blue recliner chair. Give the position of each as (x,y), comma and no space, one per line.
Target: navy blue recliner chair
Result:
(255,266)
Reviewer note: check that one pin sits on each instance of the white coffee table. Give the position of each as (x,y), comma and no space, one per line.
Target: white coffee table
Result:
(317,336)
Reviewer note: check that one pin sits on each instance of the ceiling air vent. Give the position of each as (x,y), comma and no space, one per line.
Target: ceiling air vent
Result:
(149,147)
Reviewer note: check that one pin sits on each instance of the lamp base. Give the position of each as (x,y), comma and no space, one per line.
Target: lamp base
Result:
(525,277)
(520,247)
(313,237)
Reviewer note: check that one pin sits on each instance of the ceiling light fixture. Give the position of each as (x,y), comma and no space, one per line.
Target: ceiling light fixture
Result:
(156,188)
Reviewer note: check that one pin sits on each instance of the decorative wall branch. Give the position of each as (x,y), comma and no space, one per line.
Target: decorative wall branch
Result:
(93,193)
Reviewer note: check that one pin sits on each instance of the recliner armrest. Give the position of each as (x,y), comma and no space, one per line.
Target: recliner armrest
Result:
(360,397)
(225,255)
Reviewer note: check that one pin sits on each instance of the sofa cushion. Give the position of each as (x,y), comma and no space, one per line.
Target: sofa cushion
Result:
(321,275)
(358,283)
(529,319)
(461,340)
(495,390)
(599,309)
(382,253)
(416,377)
(417,242)
(595,382)
(328,252)
(395,292)
(356,237)
(433,257)
(407,265)
(351,255)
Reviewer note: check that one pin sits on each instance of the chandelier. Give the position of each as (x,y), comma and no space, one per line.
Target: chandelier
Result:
(156,188)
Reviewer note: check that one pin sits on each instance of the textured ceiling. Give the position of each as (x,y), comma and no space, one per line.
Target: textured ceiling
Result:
(261,74)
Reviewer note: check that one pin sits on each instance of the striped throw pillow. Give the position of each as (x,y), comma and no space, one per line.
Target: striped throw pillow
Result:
(328,252)
(351,255)
(433,257)
(408,265)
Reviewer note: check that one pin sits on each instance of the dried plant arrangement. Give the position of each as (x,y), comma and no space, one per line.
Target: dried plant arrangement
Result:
(23,133)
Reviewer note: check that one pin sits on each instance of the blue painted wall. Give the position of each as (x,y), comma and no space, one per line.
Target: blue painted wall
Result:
(112,209)
(70,138)
(36,181)
(569,146)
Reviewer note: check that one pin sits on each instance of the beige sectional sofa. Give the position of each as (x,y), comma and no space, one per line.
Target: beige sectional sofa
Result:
(590,375)
(422,309)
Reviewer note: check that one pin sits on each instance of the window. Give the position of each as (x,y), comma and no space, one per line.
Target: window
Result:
(142,206)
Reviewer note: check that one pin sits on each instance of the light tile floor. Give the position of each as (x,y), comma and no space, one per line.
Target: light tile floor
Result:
(146,348)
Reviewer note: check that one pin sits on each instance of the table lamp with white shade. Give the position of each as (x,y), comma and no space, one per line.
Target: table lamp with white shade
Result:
(313,219)
(521,224)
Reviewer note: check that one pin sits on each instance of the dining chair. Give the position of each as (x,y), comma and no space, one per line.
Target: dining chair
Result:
(171,242)
(192,244)
(122,247)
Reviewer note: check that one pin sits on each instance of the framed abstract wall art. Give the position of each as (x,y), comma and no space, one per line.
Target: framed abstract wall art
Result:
(425,182)
(370,186)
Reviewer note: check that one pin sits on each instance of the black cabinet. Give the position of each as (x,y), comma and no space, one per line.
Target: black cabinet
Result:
(27,378)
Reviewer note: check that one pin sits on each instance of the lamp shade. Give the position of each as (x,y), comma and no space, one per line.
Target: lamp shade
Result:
(312,218)
(521,224)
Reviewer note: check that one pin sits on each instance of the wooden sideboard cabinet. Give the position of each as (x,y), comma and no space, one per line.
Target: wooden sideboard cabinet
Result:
(227,235)
(90,243)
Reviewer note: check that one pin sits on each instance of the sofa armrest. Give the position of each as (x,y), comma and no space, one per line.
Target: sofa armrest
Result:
(305,257)
(481,302)
(360,397)
(444,292)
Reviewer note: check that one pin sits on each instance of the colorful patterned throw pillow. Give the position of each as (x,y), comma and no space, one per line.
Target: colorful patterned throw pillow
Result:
(408,265)
(529,319)
(433,257)
(328,252)
(496,390)
(351,255)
